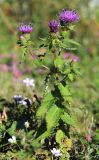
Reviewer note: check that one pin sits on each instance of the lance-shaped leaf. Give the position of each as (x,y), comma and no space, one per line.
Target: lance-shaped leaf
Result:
(38,62)
(71,41)
(53,116)
(65,92)
(59,63)
(59,136)
(68,119)
(46,104)
(12,129)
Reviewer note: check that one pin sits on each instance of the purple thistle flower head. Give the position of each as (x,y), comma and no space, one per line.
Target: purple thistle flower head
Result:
(68,16)
(54,26)
(25,28)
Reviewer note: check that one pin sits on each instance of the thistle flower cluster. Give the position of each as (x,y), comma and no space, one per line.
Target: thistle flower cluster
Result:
(25,29)
(66,16)
(54,26)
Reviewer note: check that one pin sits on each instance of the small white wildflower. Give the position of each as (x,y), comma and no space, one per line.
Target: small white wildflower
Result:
(12,140)
(26,124)
(56,152)
(29,82)
(24,103)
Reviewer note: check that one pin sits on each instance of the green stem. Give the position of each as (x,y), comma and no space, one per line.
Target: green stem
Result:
(52,157)
(18,146)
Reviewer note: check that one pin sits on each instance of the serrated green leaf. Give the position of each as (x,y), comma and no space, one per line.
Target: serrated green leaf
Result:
(53,116)
(12,129)
(65,34)
(38,62)
(70,76)
(30,134)
(35,144)
(68,119)
(44,135)
(46,104)
(65,91)
(67,71)
(58,63)
(71,41)
(64,45)
(59,136)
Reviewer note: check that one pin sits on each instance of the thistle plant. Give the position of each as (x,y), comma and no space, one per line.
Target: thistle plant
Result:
(53,114)
(44,128)
(25,29)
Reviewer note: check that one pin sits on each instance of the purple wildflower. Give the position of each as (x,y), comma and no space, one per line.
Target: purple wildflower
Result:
(67,55)
(75,58)
(25,28)
(53,25)
(71,56)
(40,70)
(68,16)
(88,138)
